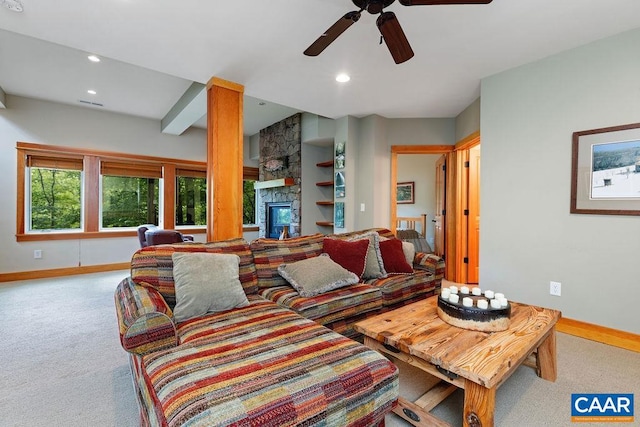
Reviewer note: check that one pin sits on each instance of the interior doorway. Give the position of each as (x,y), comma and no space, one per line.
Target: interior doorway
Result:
(456,219)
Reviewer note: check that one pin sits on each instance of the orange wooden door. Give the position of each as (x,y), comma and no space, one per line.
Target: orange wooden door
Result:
(473,234)
(440,214)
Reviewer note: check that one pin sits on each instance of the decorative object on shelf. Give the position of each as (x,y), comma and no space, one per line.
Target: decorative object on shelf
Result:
(275,164)
(339,184)
(405,192)
(338,215)
(284,234)
(340,154)
(605,171)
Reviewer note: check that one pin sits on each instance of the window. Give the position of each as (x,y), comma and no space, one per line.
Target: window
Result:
(130,194)
(85,194)
(250,176)
(191,197)
(54,193)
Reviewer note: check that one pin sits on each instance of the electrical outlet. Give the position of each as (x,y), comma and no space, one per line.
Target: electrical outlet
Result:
(555,288)
(37,254)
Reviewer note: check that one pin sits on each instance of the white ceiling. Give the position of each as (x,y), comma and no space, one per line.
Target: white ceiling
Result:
(153,50)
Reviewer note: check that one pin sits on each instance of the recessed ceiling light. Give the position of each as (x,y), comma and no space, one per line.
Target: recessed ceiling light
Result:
(12,5)
(343,78)
(93,58)
(91,91)
(262,103)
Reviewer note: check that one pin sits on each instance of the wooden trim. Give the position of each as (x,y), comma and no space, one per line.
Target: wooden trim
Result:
(422,149)
(461,220)
(602,334)
(91,194)
(20,190)
(226,84)
(60,272)
(169,208)
(250,228)
(468,142)
(34,147)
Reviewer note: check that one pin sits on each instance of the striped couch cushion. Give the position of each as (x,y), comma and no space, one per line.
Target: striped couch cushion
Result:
(268,254)
(264,365)
(405,287)
(330,308)
(152,266)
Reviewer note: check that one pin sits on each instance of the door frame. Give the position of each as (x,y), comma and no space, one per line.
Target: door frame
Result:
(449,226)
(462,148)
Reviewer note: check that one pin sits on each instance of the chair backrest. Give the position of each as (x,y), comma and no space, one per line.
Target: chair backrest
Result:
(142,229)
(158,236)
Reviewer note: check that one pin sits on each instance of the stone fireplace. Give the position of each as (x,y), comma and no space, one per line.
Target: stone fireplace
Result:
(280,157)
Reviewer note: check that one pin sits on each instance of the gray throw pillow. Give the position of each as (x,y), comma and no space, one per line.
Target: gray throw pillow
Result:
(206,283)
(317,275)
(374,267)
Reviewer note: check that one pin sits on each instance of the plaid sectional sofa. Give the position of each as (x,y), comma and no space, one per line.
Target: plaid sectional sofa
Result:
(282,360)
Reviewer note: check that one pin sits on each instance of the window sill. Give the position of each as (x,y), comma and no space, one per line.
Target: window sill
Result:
(38,237)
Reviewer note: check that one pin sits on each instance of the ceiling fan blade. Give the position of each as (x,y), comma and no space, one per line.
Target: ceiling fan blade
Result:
(332,33)
(394,37)
(444,2)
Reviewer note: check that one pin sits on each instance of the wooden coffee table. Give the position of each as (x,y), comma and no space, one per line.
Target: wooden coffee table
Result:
(478,362)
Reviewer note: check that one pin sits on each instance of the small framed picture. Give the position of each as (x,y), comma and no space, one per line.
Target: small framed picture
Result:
(404,192)
(340,155)
(338,220)
(339,184)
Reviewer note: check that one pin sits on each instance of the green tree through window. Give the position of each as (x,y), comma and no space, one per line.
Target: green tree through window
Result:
(55,198)
(129,201)
(248,202)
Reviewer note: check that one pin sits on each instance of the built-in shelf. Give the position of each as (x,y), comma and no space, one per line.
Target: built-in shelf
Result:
(325,202)
(273,183)
(325,184)
(326,164)
(325,223)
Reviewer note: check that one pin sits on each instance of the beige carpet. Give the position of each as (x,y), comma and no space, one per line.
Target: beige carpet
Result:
(61,364)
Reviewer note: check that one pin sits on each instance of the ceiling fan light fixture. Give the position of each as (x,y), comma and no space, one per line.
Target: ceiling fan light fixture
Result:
(343,78)
(12,5)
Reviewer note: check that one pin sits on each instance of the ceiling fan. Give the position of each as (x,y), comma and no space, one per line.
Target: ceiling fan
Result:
(387,23)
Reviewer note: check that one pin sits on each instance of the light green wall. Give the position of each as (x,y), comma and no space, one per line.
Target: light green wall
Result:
(528,237)
(468,121)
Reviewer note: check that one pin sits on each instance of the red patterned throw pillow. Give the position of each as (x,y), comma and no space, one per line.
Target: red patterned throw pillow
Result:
(350,255)
(393,257)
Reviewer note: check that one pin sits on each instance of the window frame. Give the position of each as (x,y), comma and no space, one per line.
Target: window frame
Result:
(91,191)
(186,171)
(251,173)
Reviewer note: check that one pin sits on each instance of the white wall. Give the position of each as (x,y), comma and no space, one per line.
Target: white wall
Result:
(528,236)
(42,122)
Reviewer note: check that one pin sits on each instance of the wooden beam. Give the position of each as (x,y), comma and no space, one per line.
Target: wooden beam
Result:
(224,159)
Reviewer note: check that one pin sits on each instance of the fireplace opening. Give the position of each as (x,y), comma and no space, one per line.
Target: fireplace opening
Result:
(278,216)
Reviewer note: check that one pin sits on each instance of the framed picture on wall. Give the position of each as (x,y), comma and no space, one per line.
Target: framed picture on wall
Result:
(405,192)
(339,184)
(338,217)
(340,155)
(605,171)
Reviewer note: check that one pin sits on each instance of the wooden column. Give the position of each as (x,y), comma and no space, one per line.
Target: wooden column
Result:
(224,159)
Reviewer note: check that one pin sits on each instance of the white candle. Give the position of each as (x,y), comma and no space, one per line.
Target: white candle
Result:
(464,290)
(498,295)
(445,293)
(488,294)
(495,303)
(476,291)
(503,302)
(483,304)
(467,302)
(453,289)
(454,298)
